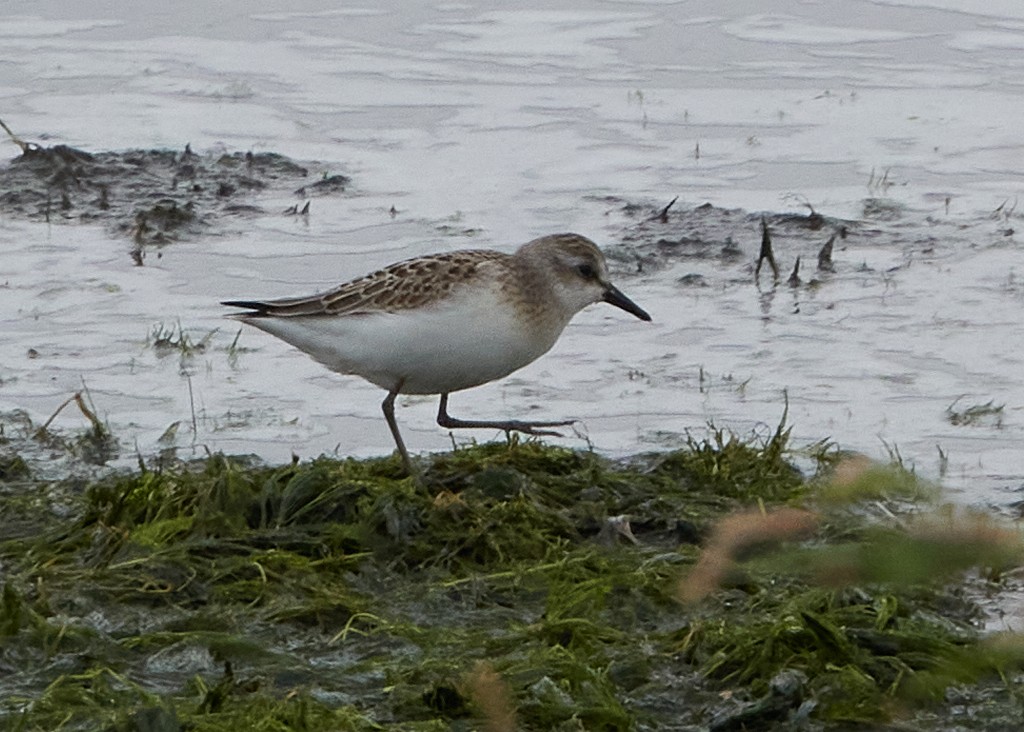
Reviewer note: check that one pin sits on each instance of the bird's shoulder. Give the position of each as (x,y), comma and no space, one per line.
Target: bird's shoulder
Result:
(412,283)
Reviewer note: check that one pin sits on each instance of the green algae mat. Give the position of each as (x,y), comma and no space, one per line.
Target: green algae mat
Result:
(514,586)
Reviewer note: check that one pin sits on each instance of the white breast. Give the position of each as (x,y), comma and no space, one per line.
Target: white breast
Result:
(461,342)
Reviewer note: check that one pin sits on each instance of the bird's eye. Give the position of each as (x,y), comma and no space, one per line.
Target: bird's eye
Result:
(586,271)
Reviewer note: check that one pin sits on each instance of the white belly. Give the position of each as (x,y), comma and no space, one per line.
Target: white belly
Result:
(426,351)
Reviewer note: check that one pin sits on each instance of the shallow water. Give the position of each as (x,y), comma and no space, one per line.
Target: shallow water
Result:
(485,127)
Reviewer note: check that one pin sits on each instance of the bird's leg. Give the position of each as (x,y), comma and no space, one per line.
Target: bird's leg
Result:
(514,425)
(389,414)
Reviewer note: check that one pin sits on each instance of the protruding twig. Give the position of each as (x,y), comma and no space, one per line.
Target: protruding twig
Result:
(192,407)
(14,138)
(82,406)
(1003,212)
(766,251)
(825,256)
(794,277)
(663,215)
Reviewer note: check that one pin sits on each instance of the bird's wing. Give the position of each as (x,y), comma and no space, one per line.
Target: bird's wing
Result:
(409,284)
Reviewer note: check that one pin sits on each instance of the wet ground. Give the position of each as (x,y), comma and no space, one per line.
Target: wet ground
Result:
(888,125)
(463,126)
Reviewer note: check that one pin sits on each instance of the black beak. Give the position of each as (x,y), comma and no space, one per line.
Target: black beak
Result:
(612,296)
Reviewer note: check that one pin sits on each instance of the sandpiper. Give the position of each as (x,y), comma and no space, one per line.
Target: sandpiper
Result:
(446,322)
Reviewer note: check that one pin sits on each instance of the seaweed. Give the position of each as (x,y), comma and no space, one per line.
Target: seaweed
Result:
(515,586)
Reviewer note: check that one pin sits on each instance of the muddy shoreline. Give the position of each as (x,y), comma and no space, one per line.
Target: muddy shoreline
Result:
(152,197)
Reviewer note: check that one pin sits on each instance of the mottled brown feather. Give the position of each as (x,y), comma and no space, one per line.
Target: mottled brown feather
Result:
(405,285)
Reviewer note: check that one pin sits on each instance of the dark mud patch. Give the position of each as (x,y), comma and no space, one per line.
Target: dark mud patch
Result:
(657,236)
(152,197)
(518,586)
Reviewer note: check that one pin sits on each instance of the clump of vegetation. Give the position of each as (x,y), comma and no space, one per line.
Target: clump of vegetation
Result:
(514,586)
(94,446)
(976,414)
(173,339)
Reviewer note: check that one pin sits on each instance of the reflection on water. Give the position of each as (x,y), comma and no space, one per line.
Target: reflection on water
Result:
(487,128)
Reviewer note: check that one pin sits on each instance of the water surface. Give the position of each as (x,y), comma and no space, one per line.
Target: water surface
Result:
(488,126)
